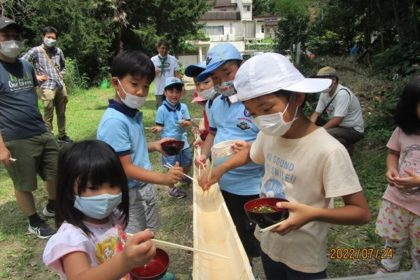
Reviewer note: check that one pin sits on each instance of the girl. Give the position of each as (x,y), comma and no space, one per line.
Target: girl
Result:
(398,219)
(91,213)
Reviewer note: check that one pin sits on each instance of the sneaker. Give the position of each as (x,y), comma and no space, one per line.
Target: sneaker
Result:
(177,193)
(48,213)
(65,138)
(383,270)
(42,230)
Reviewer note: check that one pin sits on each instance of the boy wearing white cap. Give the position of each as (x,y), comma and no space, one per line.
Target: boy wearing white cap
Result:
(229,121)
(303,164)
(172,119)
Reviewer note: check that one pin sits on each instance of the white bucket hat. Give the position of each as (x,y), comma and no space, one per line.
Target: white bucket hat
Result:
(271,72)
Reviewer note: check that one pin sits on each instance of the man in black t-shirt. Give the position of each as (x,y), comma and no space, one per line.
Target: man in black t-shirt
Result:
(26,146)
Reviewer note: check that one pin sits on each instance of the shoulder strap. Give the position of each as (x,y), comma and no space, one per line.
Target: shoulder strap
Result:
(50,61)
(326,107)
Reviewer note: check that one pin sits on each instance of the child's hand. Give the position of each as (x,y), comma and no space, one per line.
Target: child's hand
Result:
(184,123)
(197,143)
(239,145)
(174,175)
(200,161)
(410,181)
(206,179)
(139,249)
(299,215)
(157,128)
(391,174)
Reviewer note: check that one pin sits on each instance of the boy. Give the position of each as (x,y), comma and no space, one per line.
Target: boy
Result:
(230,122)
(172,119)
(121,127)
(303,164)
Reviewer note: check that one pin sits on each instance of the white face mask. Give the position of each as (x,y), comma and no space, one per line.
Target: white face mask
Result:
(207,94)
(226,88)
(132,101)
(274,124)
(11,49)
(50,42)
(98,206)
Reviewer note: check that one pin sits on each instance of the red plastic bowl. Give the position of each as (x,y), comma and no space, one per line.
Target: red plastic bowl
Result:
(154,269)
(265,219)
(172,147)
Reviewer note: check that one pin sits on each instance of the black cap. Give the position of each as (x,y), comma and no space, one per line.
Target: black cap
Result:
(5,22)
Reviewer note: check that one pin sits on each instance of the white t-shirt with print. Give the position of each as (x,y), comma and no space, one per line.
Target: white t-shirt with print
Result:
(311,170)
(345,105)
(168,69)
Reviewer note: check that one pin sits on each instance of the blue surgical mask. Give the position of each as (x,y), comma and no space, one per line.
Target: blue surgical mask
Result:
(226,88)
(98,206)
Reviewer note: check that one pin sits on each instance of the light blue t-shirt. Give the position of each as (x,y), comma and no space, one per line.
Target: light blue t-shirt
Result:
(122,128)
(169,117)
(234,122)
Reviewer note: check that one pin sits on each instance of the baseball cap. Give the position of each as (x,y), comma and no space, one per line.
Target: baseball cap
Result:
(5,22)
(327,71)
(270,72)
(173,81)
(217,56)
(197,98)
(194,69)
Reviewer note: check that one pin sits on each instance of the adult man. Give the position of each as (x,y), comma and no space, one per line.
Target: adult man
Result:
(343,108)
(50,66)
(166,65)
(26,146)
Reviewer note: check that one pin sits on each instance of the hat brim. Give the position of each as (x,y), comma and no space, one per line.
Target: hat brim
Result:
(14,25)
(193,70)
(206,73)
(307,85)
(181,84)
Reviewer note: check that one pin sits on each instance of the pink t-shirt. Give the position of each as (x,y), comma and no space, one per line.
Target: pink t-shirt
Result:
(409,148)
(106,241)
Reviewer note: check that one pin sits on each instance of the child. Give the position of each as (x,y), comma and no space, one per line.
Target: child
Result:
(172,119)
(121,127)
(204,95)
(91,212)
(232,122)
(303,164)
(399,216)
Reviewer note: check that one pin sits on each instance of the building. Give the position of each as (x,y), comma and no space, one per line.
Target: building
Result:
(231,21)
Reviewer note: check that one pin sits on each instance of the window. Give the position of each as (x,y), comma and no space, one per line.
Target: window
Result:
(247,8)
(214,30)
(262,28)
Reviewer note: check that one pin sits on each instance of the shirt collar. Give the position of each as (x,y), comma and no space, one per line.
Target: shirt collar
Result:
(120,107)
(172,108)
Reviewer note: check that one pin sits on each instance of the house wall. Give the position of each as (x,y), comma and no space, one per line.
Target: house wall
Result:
(258,28)
(232,30)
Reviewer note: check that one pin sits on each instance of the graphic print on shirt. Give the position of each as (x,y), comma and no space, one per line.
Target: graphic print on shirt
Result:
(243,123)
(410,160)
(280,171)
(20,84)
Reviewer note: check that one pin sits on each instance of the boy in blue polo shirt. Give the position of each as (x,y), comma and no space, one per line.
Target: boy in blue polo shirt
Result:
(121,127)
(232,122)
(172,119)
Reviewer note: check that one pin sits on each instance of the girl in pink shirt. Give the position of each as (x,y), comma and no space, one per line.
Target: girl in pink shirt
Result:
(91,213)
(399,216)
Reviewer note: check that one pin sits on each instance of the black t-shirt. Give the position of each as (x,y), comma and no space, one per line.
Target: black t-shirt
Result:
(19,114)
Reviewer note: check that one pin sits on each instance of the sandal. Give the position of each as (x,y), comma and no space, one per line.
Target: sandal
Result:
(176,193)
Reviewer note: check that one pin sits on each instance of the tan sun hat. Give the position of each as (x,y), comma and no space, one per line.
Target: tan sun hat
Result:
(327,71)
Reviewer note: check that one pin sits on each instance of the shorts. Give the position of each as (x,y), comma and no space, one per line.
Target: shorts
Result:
(35,155)
(184,158)
(143,211)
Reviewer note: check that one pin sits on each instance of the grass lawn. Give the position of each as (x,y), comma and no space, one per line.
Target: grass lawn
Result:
(21,254)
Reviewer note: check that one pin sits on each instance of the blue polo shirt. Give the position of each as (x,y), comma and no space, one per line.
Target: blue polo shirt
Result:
(233,122)
(122,128)
(169,117)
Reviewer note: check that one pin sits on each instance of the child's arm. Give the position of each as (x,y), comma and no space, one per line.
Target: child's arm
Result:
(410,181)
(185,123)
(138,251)
(4,152)
(157,128)
(392,166)
(355,212)
(132,171)
(200,161)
